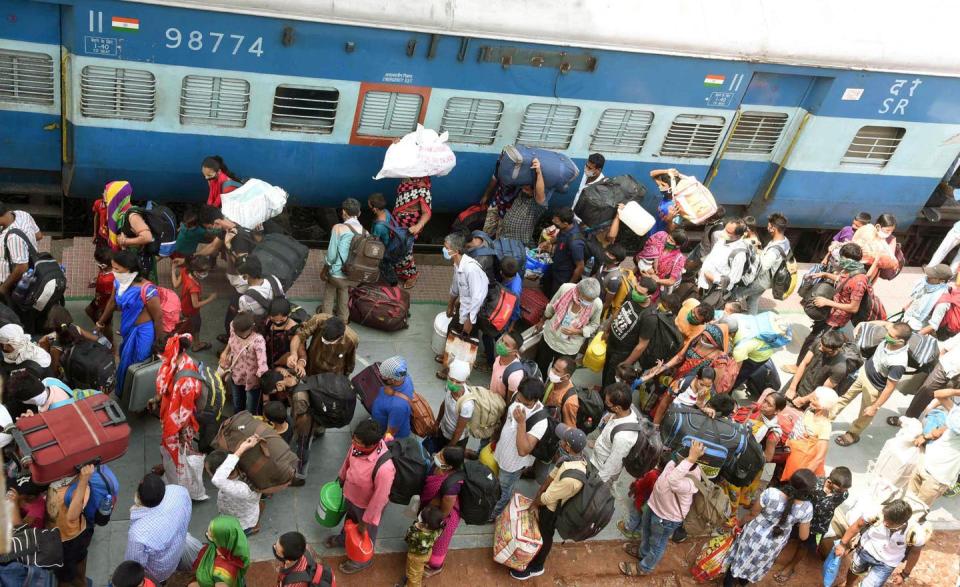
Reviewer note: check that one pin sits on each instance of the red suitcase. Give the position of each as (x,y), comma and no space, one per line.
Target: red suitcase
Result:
(57,443)
(367,384)
(380,306)
(533,302)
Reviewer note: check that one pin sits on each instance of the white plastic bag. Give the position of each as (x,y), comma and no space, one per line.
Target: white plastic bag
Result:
(421,153)
(189,474)
(253,203)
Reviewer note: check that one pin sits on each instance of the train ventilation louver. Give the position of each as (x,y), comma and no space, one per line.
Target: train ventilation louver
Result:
(874,145)
(109,92)
(389,114)
(214,101)
(549,126)
(693,136)
(26,78)
(472,120)
(757,133)
(304,109)
(622,131)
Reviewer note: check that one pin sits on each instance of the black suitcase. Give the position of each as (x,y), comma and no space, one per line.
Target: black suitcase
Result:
(89,365)
(724,439)
(332,399)
(283,256)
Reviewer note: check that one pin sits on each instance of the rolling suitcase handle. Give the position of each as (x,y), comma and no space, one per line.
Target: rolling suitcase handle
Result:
(113,411)
(26,453)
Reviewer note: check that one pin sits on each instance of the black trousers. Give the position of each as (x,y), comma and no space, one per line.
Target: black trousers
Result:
(547,521)
(545,356)
(937,379)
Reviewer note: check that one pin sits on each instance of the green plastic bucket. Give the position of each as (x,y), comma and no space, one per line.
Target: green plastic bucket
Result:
(331,508)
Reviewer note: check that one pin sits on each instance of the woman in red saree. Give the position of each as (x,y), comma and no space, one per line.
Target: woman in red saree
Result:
(412,211)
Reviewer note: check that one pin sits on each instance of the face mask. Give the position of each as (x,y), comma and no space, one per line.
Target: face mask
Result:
(586,303)
(666,193)
(124,280)
(453,387)
(360,451)
(639,297)
(670,246)
(692,319)
(890,340)
(501,349)
(39,400)
(277,556)
(885,233)
(554,377)
(447,255)
(850,265)
(930,287)
(201,275)
(438,462)
(325,341)
(563,455)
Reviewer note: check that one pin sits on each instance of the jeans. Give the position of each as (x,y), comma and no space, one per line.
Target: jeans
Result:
(876,572)
(507,482)
(951,240)
(547,521)
(653,543)
(245,399)
(634,519)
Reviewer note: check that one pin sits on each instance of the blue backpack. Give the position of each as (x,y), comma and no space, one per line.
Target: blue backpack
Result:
(104,489)
(766,326)
(400,243)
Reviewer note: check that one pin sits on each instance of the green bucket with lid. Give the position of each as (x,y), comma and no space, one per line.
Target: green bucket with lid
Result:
(332,507)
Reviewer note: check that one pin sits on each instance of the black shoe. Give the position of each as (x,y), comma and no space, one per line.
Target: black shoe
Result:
(298,482)
(679,535)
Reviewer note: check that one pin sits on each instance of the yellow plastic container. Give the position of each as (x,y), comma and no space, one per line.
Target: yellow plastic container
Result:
(596,354)
(487,459)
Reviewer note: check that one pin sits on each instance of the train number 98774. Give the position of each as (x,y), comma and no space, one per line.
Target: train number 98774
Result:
(213,42)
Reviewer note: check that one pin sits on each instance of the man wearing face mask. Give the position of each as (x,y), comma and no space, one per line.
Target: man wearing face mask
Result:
(40,395)
(724,267)
(528,206)
(569,252)
(453,422)
(823,366)
(631,330)
(261,288)
(524,426)
(876,381)
(559,382)
(924,311)
(592,173)
(299,565)
(333,347)
(565,481)
(571,318)
(776,250)
(609,450)
(468,289)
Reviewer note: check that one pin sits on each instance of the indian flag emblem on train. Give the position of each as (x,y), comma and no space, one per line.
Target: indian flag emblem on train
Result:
(713,81)
(124,24)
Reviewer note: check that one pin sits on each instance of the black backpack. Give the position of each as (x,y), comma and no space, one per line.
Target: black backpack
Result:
(400,243)
(479,493)
(162,223)
(410,461)
(89,365)
(645,454)
(590,411)
(548,445)
(664,344)
(45,269)
(529,367)
(314,575)
(331,398)
(280,254)
(209,406)
(588,512)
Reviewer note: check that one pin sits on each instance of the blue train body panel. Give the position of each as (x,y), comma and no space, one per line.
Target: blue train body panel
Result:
(30,141)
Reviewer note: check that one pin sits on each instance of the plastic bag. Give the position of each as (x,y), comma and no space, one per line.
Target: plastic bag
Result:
(421,153)
(253,203)
(831,567)
(189,474)
(711,563)
(694,200)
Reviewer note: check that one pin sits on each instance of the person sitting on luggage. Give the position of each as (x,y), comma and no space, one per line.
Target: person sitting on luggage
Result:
(568,251)
(559,382)
(507,351)
(517,440)
(664,512)
(235,497)
(876,380)
(452,423)
(924,311)
(333,347)
(245,358)
(392,407)
(225,559)
(554,492)
(131,574)
(608,452)
(336,292)
(42,395)
(630,331)
(159,520)
(479,247)
(275,413)
(824,366)
(279,331)
(530,203)
(366,488)
(297,559)
(186,278)
(570,319)
(885,543)
(20,352)
(261,288)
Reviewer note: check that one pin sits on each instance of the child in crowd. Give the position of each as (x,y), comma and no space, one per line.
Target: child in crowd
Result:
(235,497)
(63,334)
(186,278)
(245,361)
(277,385)
(420,538)
(102,290)
(30,501)
(189,236)
(275,413)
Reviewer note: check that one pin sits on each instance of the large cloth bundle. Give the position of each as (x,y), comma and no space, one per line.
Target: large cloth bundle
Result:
(598,202)
(516,536)
(270,465)
(513,168)
(253,203)
(421,153)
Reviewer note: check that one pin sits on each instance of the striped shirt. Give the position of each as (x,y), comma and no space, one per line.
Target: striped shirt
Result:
(157,534)
(17,249)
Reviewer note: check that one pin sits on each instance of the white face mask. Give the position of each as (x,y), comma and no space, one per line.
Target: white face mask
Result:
(124,280)
(554,377)
(885,232)
(438,462)
(40,399)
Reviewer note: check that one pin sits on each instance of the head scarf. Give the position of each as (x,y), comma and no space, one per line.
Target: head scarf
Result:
(563,302)
(227,556)
(23,348)
(178,399)
(394,368)
(117,195)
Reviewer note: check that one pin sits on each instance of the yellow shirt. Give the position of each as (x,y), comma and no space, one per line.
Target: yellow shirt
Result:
(57,514)
(560,490)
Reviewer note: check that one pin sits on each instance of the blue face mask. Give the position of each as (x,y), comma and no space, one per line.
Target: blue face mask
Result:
(446,254)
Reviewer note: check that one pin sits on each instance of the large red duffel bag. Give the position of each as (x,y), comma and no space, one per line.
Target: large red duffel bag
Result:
(470,219)
(55,444)
(380,306)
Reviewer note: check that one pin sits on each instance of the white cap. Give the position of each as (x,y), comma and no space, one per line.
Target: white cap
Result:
(459,370)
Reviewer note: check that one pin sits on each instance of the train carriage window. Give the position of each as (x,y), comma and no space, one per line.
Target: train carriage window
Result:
(549,126)
(873,145)
(389,114)
(304,109)
(622,131)
(110,92)
(214,101)
(472,120)
(26,78)
(757,133)
(693,135)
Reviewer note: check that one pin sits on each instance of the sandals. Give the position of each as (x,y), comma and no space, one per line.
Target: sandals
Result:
(429,571)
(893,421)
(632,570)
(408,284)
(847,439)
(632,548)
(201,347)
(348,567)
(333,541)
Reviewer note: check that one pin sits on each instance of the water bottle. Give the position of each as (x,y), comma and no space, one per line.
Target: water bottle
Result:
(413,509)
(106,505)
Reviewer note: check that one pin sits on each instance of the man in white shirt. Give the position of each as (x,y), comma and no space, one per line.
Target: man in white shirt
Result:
(946,374)
(725,264)
(468,289)
(15,246)
(924,310)
(260,289)
(524,426)
(940,467)
(592,173)
(452,423)
(608,452)
(235,498)
(774,253)
(884,540)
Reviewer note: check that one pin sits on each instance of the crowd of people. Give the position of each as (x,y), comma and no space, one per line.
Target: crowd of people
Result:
(676,312)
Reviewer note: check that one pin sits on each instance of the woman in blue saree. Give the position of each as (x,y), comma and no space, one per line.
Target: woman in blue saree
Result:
(140,314)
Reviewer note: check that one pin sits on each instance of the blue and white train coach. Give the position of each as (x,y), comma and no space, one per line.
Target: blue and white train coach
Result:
(816,108)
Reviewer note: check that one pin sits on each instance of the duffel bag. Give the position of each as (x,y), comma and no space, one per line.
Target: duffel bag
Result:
(533,303)
(270,465)
(282,256)
(824,289)
(470,219)
(598,201)
(90,365)
(724,440)
(557,169)
(380,306)
(497,309)
(331,398)
(741,470)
